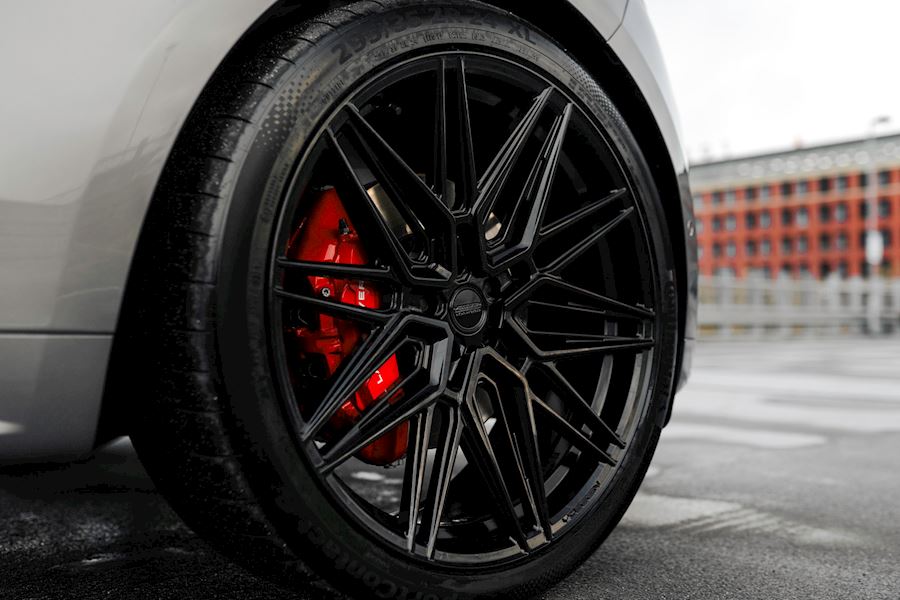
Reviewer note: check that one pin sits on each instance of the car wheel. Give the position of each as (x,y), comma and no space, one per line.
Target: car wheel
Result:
(408,292)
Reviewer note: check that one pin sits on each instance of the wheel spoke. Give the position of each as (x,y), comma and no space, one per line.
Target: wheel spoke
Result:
(454,148)
(477,447)
(494,180)
(585,244)
(414,473)
(570,297)
(562,224)
(524,221)
(364,213)
(602,344)
(379,420)
(336,308)
(420,208)
(572,435)
(515,407)
(441,472)
(581,407)
(375,352)
(338,270)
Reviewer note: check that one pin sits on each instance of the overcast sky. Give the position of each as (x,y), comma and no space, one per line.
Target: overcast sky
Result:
(757,75)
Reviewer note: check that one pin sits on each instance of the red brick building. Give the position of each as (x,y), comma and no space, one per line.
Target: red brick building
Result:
(801,213)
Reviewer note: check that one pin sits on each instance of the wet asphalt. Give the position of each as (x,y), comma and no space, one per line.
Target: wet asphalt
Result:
(779,477)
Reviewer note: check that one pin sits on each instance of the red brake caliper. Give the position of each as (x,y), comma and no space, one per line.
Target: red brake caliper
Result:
(327,235)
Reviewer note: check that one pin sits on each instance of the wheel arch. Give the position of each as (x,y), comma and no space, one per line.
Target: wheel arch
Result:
(562,21)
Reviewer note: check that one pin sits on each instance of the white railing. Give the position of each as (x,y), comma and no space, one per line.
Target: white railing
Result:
(757,307)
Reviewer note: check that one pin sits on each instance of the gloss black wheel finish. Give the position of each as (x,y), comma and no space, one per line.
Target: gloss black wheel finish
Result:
(514,266)
(519,253)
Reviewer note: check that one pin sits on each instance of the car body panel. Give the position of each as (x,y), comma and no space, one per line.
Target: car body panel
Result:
(51,386)
(86,131)
(102,88)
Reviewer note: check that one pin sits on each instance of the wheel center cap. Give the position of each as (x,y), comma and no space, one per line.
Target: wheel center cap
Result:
(468,310)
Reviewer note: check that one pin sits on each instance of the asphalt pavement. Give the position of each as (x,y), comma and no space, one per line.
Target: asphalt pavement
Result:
(779,477)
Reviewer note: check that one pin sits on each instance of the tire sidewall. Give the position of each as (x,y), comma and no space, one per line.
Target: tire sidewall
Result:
(303,511)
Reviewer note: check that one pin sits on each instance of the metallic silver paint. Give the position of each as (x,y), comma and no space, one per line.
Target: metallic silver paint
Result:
(55,383)
(96,92)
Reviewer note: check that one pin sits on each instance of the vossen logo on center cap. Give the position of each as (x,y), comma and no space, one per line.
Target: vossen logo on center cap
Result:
(467,310)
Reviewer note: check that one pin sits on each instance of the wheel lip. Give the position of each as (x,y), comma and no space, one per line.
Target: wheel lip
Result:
(290,408)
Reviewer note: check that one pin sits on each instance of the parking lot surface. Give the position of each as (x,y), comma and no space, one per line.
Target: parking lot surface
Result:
(779,477)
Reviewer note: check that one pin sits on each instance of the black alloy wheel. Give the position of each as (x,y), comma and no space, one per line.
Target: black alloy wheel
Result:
(523,359)
(511,268)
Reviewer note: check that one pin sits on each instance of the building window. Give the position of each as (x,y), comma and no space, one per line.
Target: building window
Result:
(863,180)
(886,237)
(786,246)
(750,194)
(824,270)
(824,213)
(751,248)
(802,188)
(843,182)
(841,241)
(786,216)
(824,242)
(750,221)
(840,213)
(765,247)
(717,249)
(843,269)
(804,270)
(731,223)
(765,220)
(802,216)
(884,178)
(884,208)
(864,268)
(699,225)
(732,249)
(864,209)
(786,189)
(862,239)
(698,202)
(803,244)
(765,192)
(824,185)
(730,197)
(717,198)
(786,271)
(717,224)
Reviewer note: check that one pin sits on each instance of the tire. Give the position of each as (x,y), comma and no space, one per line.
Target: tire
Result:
(210,418)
